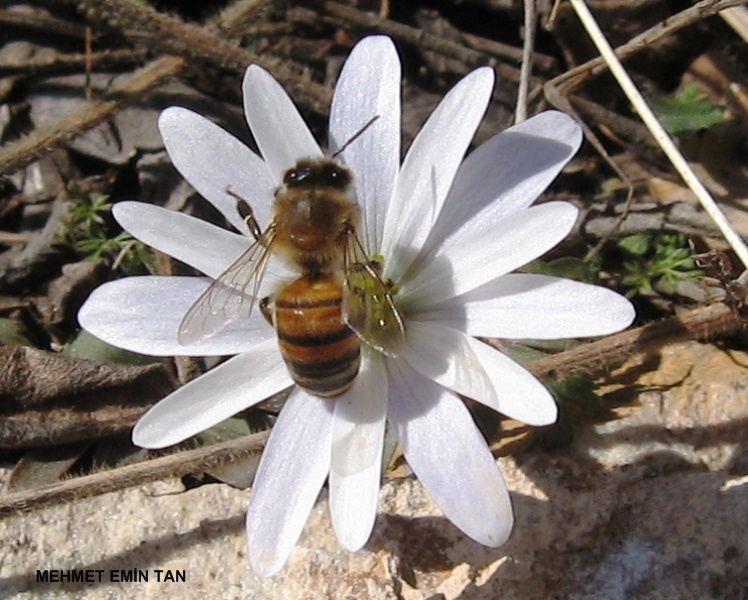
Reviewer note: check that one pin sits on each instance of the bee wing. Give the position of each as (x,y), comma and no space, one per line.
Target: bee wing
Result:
(231,296)
(368,307)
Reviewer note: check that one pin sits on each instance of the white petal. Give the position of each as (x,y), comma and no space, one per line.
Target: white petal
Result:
(362,93)
(504,176)
(448,454)
(279,130)
(292,470)
(445,355)
(213,397)
(540,307)
(471,368)
(213,160)
(430,166)
(357,442)
(521,396)
(502,247)
(195,242)
(143,314)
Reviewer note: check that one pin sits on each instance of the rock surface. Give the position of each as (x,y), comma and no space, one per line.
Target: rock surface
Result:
(651,504)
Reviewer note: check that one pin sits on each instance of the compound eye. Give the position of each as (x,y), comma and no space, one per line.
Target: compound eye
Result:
(336,177)
(296,175)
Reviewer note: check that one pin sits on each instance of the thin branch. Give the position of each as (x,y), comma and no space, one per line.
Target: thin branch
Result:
(601,356)
(737,18)
(170,35)
(658,131)
(65,63)
(596,66)
(543,62)
(345,15)
(18,154)
(524,75)
(43,23)
(173,465)
(557,89)
(235,19)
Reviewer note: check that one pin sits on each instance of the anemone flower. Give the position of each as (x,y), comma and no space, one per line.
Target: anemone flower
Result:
(449,233)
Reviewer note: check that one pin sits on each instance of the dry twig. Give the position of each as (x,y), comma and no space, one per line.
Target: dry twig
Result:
(167,34)
(345,15)
(592,68)
(599,357)
(173,465)
(558,89)
(43,23)
(65,63)
(170,35)
(527,56)
(659,133)
(32,147)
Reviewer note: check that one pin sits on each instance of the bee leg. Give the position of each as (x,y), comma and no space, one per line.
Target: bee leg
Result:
(246,213)
(266,309)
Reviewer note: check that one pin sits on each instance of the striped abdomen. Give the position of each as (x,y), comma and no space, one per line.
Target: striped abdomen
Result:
(321,352)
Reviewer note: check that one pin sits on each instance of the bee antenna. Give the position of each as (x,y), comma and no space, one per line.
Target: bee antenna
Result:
(356,135)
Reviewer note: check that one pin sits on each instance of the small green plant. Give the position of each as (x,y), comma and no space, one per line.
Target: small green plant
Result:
(568,267)
(87,233)
(659,259)
(688,111)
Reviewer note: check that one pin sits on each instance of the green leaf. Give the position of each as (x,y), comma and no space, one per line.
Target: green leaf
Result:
(688,111)
(568,267)
(12,333)
(637,244)
(89,347)
(523,354)
(661,259)
(577,390)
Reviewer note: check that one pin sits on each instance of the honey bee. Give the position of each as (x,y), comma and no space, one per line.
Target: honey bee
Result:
(339,298)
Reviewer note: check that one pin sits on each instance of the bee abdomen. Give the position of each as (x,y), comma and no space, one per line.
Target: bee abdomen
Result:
(322,354)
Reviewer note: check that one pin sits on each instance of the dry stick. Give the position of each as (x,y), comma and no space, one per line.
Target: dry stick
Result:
(32,147)
(592,68)
(232,21)
(632,130)
(42,23)
(67,62)
(658,131)
(524,73)
(737,18)
(590,359)
(542,62)
(425,41)
(598,357)
(557,89)
(170,35)
(164,467)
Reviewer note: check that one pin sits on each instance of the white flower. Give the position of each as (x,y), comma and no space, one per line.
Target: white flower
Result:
(450,233)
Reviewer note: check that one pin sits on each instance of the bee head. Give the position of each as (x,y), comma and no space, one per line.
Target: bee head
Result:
(318,173)
(314,204)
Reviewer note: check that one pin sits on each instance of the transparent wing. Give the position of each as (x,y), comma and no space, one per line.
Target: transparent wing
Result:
(368,306)
(229,297)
